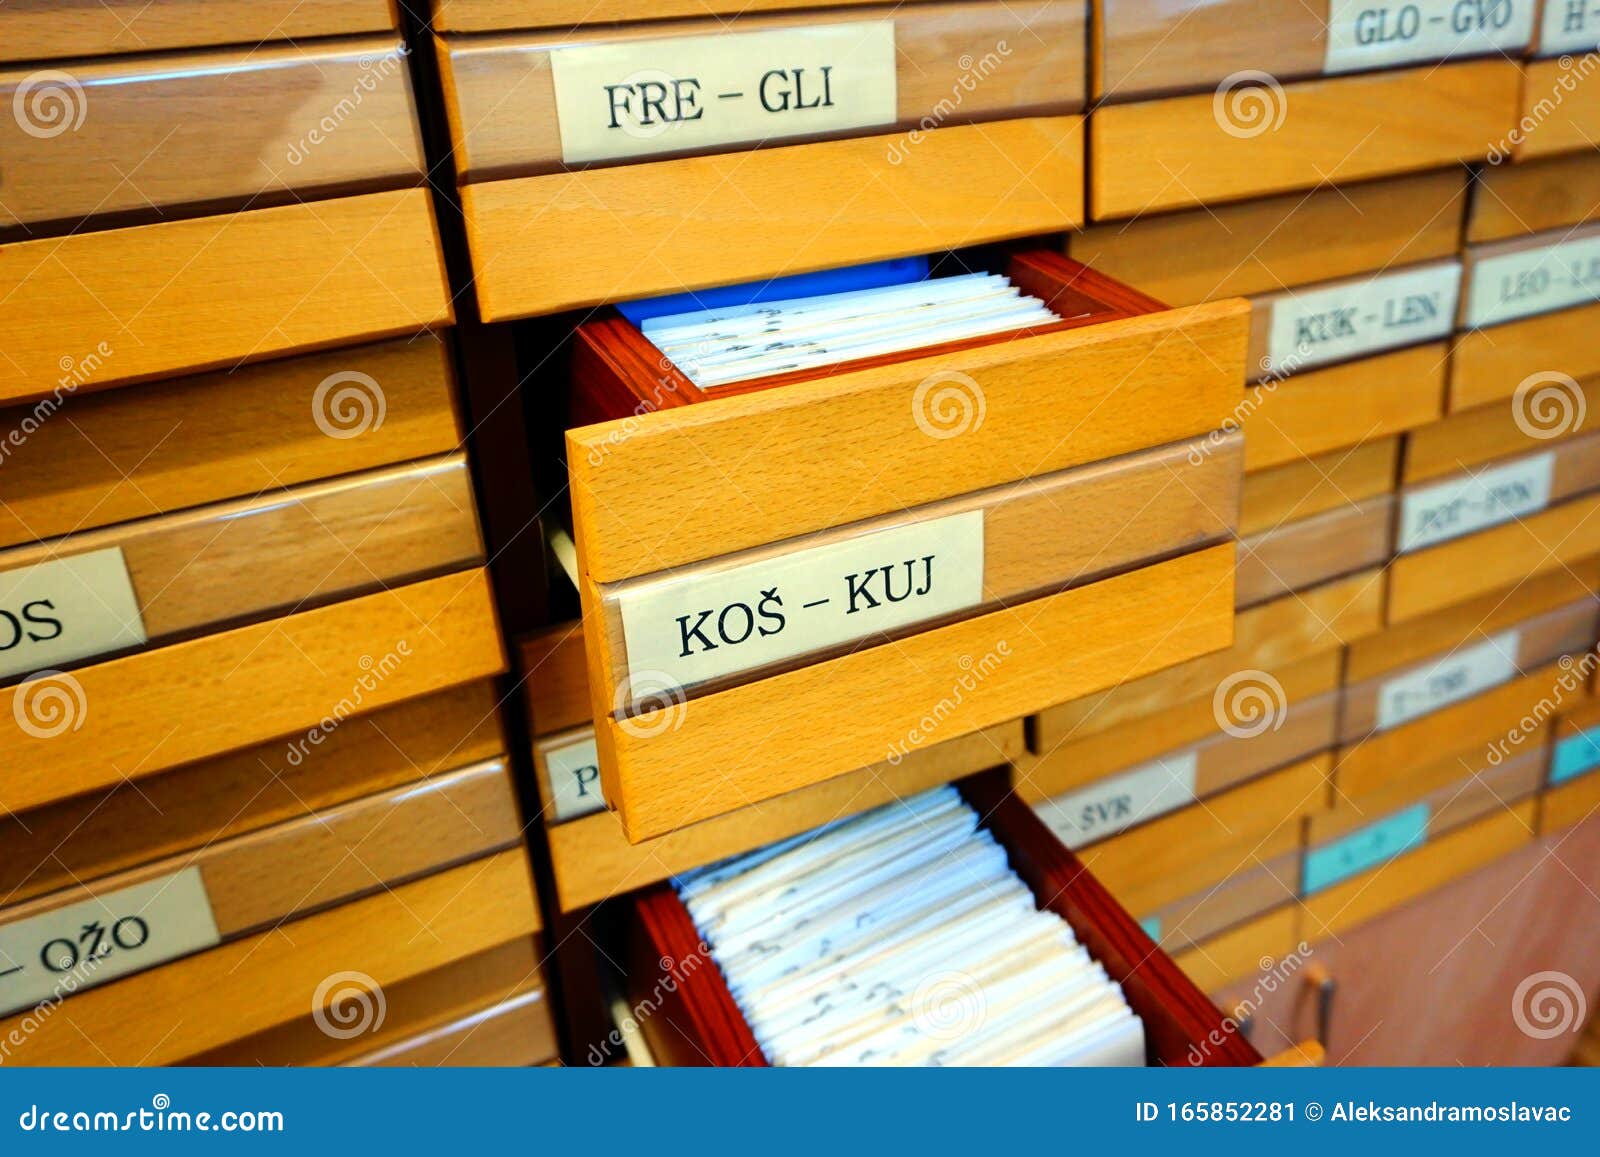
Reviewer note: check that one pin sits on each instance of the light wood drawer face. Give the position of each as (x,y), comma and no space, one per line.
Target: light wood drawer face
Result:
(1557,102)
(594,861)
(136,716)
(37,29)
(165,131)
(1514,200)
(1320,411)
(1463,441)
(1302,489)
(1569,803)
(556,678)
(129,304)
(660,767)
(1258,886)
(548,243)
(288,551)
(415,1005)
(1488,365)
(1414,873)
(262,981)
(1271,636)
(103,458)
(1313,550)
(483,15)
(1242,951)
(518,1030)
(952,63)
(109,831)
(1260,246)
(1299,136)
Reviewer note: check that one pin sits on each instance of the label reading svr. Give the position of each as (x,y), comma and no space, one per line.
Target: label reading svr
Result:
(635,98)
(691,629)
(69,608)
(1365,848)
(1462,505)
(1453,678)
(1395,309)
(1362,34)
(1569,26)
(1116,804)
(1525,282)
(65,950)
(574,771)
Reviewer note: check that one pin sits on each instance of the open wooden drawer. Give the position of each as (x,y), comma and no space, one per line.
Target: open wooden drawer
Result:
(696,1021)
(858,467)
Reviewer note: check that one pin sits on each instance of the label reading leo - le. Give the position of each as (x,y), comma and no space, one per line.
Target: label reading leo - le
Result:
(50,956)
(54,612)
(634,98)
(1314,326)
(1534,280)
(1363,35)
(708,624)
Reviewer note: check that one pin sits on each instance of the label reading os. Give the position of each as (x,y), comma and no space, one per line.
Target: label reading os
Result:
(705,626)
(1569,26)
(1362,34)
(1365,848)
(1525,282)
(1341,321)
(57,953)
(574,773)
(1462,505)
(1116,804)
(640,97)
(1453,678)
(69,608)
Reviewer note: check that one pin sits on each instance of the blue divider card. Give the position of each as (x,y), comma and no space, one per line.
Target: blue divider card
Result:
(1575,755)
(1365,848)
(900,271)
(1152,927)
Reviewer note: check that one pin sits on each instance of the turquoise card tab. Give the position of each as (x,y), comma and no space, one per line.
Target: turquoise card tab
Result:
(1576,755)
(1152,927)
(1365,848)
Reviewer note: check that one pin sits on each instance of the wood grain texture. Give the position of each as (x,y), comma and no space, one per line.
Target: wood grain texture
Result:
(120,455)
(104,832)
(1553,193)
(1016,661)
(1271,636)
(1172,153)
(1308,711)
(438,996)
(1143,48)
(548,243)
(501,101)
(253,984)
(1487,365)
(1465,440)
(1040,535)
(333,857)
(1301,489)
(37,29)
(828,452)
(216,128)
(1557,112)
(1315,550)
(555,678)
(288,550)
(200,294)
(1476,564)
(1326,410)
(1242,951)
(1253,885)
(1264,245)
(1456,790)
(1418,872)
(593,860)
(517,1030)
(162,708)
(482,15)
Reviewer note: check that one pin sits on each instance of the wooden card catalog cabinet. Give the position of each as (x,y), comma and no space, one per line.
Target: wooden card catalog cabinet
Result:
(1040,565)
